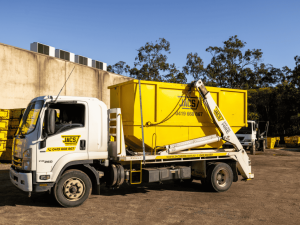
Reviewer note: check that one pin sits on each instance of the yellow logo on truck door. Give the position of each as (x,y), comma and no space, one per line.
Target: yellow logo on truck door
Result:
(70,140)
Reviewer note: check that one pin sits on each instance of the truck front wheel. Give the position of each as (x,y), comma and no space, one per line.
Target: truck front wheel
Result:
(73,188)
(219,177)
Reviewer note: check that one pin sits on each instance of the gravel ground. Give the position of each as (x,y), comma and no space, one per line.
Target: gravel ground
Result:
(271,198)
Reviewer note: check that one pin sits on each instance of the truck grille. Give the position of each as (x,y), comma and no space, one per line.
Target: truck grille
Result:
(241,138)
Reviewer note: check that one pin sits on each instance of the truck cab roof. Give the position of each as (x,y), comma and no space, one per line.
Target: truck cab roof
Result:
(61,98)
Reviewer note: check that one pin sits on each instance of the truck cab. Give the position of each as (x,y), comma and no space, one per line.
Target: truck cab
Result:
(41,150)
(247,135)
(251,137)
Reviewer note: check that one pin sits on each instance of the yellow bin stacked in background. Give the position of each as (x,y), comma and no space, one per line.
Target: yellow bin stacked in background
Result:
(287,139)
(288,142)
(9,122)
(271,142)
(292,142)
(277,139)
(296,140)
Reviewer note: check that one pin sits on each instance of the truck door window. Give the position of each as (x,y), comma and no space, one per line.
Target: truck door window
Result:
(68,116)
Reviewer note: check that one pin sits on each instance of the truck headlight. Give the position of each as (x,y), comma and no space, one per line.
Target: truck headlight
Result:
(26,163)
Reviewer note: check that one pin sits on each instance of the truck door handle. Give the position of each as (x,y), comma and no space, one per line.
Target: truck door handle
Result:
(82,144)
(43,144)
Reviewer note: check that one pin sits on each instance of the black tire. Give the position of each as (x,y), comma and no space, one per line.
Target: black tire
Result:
(257,145)
(73,188)
(121,175)
(263,147)
(112,176)
(252,149)
(219,177)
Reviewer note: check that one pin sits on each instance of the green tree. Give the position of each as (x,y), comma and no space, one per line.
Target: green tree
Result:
(151,63)
(231,67)
(119,68)
(294,75)
(175,76)
(279,105)
(194,67)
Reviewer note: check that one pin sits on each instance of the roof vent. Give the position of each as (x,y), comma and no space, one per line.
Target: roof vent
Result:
(64,55)
(83,60)
(41,48)
(99,65)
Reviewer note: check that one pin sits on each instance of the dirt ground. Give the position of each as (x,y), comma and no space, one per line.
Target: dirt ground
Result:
(273,197)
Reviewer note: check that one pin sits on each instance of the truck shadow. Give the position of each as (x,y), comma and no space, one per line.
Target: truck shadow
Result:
(145,188)
(12,196)
(291,149)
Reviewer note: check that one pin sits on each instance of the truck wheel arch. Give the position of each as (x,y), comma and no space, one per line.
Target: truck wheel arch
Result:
(83,165)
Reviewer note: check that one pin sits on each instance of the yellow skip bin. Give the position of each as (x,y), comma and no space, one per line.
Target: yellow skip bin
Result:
(9,124)
(3,135)
(11,113)
(5,144)
(4,114)
(6,155)
(271,142)
(173,112)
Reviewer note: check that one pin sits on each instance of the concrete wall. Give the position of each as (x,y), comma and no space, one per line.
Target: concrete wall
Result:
(25,75)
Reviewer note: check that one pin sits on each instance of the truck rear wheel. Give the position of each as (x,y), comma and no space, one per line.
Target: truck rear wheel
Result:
(219,177)
(73,188)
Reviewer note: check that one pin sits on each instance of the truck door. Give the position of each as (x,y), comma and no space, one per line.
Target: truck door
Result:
(70,137)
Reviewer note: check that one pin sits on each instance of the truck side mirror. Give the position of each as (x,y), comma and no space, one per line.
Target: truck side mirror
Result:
(50,121)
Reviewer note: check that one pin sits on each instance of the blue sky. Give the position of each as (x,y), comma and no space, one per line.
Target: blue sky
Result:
(111,31)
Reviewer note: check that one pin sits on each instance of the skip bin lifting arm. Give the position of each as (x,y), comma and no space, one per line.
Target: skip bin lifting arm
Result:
(217,116)
(227,133)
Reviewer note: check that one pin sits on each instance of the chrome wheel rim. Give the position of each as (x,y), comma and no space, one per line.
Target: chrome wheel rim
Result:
(73,189)
(222,177)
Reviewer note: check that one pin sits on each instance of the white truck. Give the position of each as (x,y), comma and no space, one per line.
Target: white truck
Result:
(253,137)
(72,153)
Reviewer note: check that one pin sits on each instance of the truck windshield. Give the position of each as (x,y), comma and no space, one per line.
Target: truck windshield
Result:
(30,118)
(245,130)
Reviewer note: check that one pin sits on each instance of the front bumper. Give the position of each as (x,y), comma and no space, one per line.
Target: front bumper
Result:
(22,181)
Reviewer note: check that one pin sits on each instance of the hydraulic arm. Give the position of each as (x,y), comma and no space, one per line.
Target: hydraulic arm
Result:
(244,163)
(217,116)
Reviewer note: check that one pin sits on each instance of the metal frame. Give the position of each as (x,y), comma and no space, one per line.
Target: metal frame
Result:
(238,154)
(116,147)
